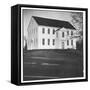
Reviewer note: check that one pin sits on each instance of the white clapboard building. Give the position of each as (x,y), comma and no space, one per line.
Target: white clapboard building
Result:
(45,33)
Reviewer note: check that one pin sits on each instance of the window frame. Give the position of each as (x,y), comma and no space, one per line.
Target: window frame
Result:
(48,41)
(53,43)
(43,41)
(48,30)
(67,32)
(53,31)
(72,42)
(67,42)
(71,33)
(43,30)
(63,34)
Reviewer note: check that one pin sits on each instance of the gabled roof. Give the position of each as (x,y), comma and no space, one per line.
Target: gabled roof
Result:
(53,22)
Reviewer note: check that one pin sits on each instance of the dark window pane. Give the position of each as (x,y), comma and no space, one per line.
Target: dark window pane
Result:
(62,34)
(71,32)
(43,30)
(53,31)
(43,41)
(67,32)
(71,42)
(67,42)
(53,41)
(48,41)
(48,31)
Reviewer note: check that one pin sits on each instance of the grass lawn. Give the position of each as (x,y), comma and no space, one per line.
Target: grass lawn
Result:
(50,64)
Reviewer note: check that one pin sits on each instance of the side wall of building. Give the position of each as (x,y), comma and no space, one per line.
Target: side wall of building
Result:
(45,37)
(32,40)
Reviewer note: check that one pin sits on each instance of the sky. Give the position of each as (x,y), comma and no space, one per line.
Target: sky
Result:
(28,13)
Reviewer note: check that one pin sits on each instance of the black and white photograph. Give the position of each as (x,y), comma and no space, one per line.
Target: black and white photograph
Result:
(53,44)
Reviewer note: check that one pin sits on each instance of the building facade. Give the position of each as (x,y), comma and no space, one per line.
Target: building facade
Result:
(44,33)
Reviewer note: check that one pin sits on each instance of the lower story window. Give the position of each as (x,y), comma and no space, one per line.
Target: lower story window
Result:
(71,42)
(53,41)
(43,41)
(48,41)
(67,42)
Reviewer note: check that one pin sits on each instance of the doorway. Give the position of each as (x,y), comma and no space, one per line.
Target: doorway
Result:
(63,45)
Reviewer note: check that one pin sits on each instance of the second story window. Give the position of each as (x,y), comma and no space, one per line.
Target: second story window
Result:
(56,34)
(48,31)
(67,32)
(43,30)
(71,32)
(62,34)
(53,31)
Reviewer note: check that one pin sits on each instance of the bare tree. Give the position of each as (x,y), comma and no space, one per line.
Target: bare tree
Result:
(77,21)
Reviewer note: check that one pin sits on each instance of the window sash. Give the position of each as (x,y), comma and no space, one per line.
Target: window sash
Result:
(43,41)
(53,31)
(48,31)
(62,34)
(67,42)
(71,42)
(43,30)
(53,41)
(67,32)
(48,41)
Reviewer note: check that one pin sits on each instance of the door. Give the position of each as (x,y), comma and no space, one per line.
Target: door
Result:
(63,44)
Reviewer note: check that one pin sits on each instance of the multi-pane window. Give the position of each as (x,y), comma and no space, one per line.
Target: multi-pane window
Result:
(57,35)
(71,42)
(62,34)
(53,42)
(53,31)
(48,41)
(71,32)
(43,41)
(67,42)
(48,31)
(67,32)
(43,30)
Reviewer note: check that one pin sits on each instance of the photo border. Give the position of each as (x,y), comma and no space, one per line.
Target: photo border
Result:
(20,6)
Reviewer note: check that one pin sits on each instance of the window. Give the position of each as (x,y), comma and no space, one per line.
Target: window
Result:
(53,41)
(43,30)
(43,41)
(67,42)
(71,42)
(53,31)
(62,34)
(48,31)
(56,34)
(48,41)
(71,32)
(67,32)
